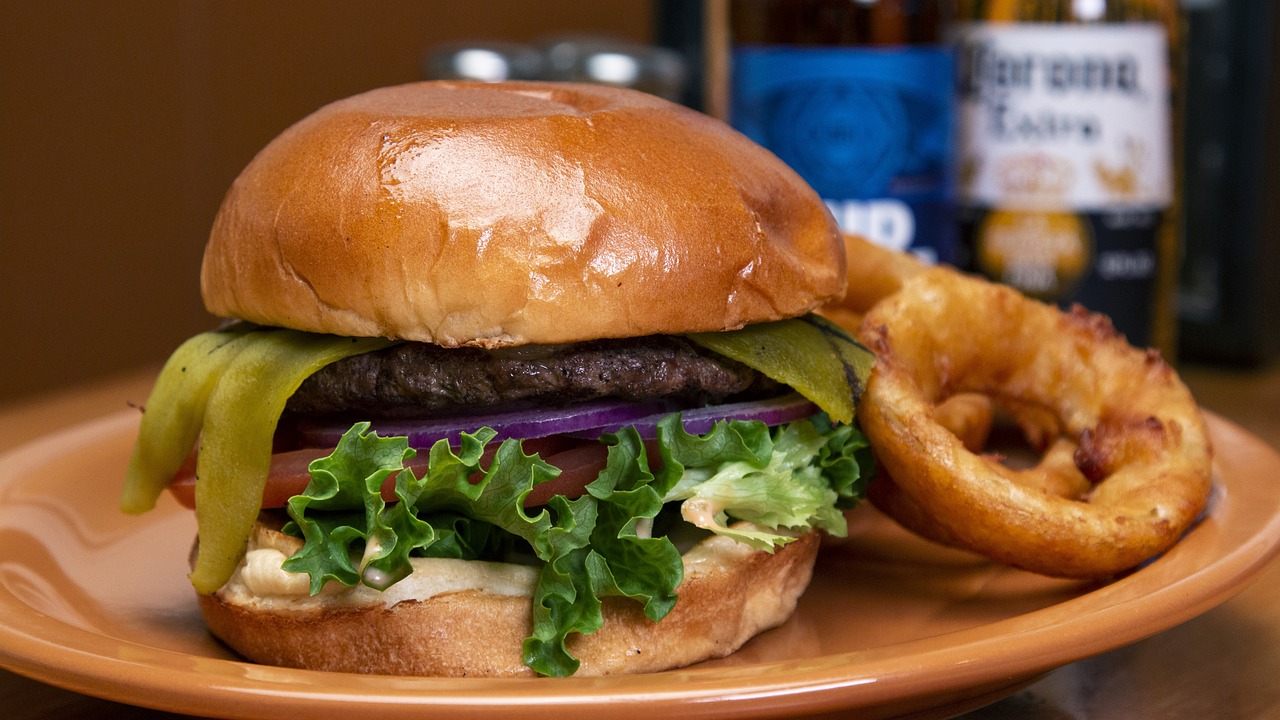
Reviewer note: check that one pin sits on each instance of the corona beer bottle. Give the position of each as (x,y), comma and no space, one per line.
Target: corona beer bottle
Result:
(1066,170)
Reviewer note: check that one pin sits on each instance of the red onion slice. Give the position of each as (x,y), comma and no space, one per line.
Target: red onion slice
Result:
(522,424)
(696,421)
(585,421)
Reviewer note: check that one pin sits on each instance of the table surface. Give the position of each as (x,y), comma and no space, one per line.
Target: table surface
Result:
(1223,664)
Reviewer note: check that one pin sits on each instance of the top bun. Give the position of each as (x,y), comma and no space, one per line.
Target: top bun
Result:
(503,214)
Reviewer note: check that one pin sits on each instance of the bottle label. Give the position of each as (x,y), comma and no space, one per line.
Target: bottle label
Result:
(1073,116)
(871,129)
(1066,162)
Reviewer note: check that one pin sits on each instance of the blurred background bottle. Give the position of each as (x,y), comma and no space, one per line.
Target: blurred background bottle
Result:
(579,58)
(855,95)
(1229,300)
(487,61)
(1067,171)
(609,61)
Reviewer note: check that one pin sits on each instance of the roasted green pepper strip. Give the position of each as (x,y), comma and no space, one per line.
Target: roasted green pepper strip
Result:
(174,413)
(856,358)
(235,443)
(811,354)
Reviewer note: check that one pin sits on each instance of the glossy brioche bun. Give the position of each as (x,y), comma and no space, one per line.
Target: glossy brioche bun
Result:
(502,214)
(729,594)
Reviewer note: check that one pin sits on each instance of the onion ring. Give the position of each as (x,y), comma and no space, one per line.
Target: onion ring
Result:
(872,274)
(1135,434)
(968,416)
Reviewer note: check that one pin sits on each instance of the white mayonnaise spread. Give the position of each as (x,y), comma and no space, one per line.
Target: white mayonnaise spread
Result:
(260,581)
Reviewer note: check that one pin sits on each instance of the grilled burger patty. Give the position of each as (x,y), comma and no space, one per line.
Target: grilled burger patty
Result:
(420,379)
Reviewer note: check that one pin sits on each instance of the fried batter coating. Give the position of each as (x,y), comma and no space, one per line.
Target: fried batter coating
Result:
(1128,464)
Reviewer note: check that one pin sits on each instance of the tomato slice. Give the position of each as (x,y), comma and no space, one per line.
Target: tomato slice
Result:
(579,467)
(287,477)
(580,461)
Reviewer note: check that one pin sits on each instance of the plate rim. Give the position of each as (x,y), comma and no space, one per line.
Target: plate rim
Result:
(95,664)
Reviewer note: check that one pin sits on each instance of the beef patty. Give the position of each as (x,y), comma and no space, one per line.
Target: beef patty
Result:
(420,379)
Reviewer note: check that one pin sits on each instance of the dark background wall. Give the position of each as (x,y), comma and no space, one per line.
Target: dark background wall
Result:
(122,123)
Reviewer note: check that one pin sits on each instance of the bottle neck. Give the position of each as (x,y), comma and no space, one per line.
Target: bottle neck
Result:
(1068,11)
(839,22)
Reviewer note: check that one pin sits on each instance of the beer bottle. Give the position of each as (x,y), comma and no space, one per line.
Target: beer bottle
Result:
(856,96)
(1066,171)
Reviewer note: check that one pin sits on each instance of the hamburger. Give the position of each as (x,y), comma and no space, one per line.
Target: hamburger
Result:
(514,379)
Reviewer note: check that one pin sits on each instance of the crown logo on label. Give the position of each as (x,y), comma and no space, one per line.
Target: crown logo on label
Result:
(1035,177)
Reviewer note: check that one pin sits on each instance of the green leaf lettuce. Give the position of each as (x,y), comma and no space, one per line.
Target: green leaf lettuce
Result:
(783,481)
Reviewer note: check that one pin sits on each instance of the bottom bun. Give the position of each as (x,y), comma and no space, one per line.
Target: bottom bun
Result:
(730,593)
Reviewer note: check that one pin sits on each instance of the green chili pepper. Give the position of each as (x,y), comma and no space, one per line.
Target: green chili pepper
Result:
(235,443)
(811,354)
(174,413)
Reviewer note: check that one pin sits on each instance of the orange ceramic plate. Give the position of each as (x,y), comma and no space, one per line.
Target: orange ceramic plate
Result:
(98,602)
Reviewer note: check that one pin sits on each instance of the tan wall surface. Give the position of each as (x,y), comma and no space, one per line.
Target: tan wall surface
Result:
(122,123)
